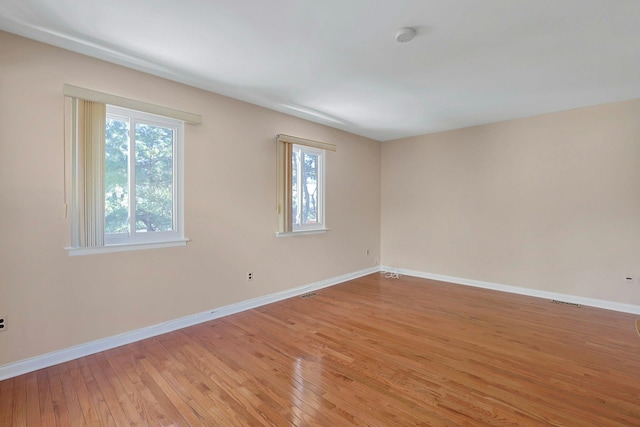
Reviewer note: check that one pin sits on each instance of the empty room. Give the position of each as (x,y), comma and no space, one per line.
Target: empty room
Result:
(320,213)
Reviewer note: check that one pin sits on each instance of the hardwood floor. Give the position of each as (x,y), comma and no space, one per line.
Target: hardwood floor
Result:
(372,351)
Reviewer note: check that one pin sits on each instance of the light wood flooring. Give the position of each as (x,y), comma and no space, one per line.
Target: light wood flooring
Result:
(370,352)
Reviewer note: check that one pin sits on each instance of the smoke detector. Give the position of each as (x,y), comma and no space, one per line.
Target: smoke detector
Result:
(405,34)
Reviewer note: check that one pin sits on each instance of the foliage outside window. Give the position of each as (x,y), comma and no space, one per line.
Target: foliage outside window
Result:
(307,187)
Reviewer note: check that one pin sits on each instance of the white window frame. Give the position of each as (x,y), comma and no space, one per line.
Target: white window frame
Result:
(301,149)
(177,234)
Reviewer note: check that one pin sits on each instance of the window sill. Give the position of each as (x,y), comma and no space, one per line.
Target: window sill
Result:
(301,232)
(126,247)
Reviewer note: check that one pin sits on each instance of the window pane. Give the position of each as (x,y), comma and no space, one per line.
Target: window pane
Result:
(309,188)
(154,178)
(116,206)
(295,173)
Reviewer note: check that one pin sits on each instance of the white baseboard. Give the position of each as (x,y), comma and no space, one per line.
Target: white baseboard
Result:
(44,361)
(591,302)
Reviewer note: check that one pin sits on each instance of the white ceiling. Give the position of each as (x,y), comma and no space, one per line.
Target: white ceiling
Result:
(337,62)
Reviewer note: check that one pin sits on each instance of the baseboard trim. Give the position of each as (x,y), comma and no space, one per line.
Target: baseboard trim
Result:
(591,302)
(46,360)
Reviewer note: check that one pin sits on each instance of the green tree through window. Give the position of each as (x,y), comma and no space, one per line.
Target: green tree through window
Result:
(305,187)
(154,178)
(116,208)
(139,177)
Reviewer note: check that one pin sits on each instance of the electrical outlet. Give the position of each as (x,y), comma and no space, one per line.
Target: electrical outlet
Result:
(249,277)
(366,252)
(3,323)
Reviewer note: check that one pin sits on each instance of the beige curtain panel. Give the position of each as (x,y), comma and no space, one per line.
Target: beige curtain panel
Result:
(91,118)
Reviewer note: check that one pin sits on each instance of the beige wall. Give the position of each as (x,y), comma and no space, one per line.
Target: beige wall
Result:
(54,301)
(550,203)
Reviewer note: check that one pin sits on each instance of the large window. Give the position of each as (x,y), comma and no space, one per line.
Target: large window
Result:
(127,177)
(141,177)
(301,170)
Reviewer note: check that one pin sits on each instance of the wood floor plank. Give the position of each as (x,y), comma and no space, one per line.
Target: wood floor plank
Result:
(168,395)
(58,398)
(6,401)
(120,392)
(32,401)
(409,381)
(117,408)
(47,414)
(71,397)
(149,410)
(19,402)
(373,351)
(305,377)
(342,364)
(189,382)
(85,400)
(96,397)
(308,398)
(240,371)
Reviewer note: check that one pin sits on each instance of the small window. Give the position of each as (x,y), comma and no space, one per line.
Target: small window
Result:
(301,173)
(127,172)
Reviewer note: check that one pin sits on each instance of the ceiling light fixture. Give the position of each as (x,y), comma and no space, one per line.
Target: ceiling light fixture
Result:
(405,34)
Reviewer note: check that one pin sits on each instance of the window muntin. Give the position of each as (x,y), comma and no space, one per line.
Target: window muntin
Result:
(141,178)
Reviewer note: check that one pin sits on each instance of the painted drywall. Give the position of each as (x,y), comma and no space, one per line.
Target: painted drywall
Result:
(54,301)
(550,202)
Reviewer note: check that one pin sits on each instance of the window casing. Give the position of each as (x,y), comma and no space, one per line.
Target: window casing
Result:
(126,166)
(301,185)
